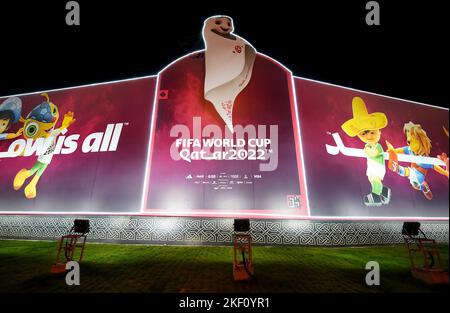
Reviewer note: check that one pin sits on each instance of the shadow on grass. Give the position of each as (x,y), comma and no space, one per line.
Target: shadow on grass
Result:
(136,269)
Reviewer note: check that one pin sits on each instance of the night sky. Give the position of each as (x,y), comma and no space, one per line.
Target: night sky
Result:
(327,41)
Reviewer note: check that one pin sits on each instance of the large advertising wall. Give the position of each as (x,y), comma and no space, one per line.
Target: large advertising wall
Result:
(200,164)
(346,139)
(76,150)
(223,132)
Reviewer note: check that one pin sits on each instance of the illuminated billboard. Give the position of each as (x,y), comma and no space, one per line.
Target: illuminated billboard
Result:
(368,155)
(76,150)
(223,132)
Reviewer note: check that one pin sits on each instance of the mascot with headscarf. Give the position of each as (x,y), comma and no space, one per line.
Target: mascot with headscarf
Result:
(229,63)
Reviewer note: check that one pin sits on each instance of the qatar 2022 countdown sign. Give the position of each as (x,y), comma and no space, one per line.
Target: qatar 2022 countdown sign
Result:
(223,132)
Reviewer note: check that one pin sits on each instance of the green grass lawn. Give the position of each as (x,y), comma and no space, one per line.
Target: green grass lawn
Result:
(25,265)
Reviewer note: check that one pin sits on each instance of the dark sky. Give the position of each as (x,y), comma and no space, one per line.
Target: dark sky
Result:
(405,57)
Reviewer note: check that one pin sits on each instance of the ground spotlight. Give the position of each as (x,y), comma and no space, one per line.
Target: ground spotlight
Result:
(75,238)
(243,256)
(424,255)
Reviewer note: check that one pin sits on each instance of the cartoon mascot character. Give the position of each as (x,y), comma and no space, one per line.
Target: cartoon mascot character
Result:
(367,126)
(40,123)
(418,144)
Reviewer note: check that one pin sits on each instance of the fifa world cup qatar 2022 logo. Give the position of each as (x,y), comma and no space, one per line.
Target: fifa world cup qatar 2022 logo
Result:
(257,143)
